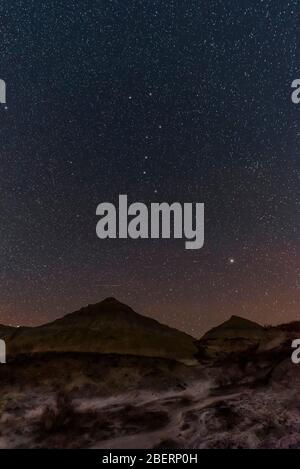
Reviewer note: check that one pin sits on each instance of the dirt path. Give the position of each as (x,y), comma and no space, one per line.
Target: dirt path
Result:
(151,439)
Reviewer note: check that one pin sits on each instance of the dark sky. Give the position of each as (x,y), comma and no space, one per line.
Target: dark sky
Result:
(164,101)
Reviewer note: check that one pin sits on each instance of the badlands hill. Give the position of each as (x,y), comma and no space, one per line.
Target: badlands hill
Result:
(106,327)
(238,335)
(236,327)
(6,331)
(102,377)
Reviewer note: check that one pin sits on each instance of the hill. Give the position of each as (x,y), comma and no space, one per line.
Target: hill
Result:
(106,327)
(236,327)
(238,335)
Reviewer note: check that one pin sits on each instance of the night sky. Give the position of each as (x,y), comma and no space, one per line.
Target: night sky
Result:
(165,101)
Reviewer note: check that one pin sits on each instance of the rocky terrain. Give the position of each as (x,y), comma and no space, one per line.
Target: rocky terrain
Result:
(73,384)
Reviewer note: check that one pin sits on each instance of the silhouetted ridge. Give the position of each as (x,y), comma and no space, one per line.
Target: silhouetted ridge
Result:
(236,326)
(106,327)
(99,315)
(240,323)
(110,299)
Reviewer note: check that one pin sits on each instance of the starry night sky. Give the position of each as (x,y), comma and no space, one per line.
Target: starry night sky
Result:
(184,101)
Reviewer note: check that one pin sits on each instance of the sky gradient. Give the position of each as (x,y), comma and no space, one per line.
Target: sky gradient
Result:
(163,101)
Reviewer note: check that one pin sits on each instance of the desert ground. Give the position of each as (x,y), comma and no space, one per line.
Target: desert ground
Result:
(241,390)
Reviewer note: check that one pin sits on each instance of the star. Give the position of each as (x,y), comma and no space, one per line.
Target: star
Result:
(167,122)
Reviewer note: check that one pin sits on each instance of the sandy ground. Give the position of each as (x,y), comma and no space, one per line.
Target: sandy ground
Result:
(165,406)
